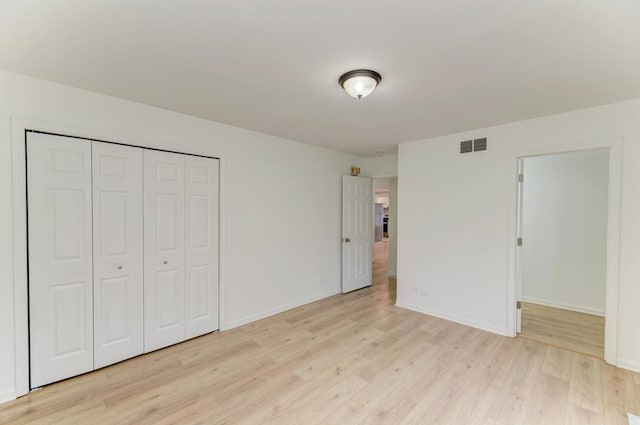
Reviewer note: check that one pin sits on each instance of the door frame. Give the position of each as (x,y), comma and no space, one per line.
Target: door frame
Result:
(19,128)
(613,235)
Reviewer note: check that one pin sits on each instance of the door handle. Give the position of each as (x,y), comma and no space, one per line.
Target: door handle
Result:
(347,240)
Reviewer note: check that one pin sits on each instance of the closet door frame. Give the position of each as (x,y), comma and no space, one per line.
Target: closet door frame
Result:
(19,128)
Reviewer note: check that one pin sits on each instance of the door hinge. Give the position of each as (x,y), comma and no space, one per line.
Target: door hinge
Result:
(519,241)
(520,177)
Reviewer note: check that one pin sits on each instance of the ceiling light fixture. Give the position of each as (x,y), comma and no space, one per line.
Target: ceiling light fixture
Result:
(359,83)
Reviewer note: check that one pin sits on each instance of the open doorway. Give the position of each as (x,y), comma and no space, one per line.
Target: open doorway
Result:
(563,216)
(385,231)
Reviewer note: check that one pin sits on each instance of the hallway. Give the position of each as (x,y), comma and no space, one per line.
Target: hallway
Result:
(380,269)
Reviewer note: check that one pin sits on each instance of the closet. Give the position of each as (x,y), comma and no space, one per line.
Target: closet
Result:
(123,252)
(180,278)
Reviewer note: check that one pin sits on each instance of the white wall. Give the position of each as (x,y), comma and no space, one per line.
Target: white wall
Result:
(282,205)
(564,216)
(393,226)
(380,166)
(454,220)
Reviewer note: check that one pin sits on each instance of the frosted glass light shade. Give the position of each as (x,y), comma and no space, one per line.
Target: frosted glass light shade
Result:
(360,83)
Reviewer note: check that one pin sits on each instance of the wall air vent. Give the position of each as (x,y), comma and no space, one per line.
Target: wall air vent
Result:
(480,144)
(466,146)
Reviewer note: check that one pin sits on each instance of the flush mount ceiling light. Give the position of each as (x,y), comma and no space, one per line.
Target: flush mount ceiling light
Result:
(359,83)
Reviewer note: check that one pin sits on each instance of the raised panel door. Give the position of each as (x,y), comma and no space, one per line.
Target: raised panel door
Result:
(164,249)
(201,245)
(357,211)
(118,253)
(60,257)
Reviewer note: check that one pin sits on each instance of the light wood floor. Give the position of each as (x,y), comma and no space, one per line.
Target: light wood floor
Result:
(348,359)
(580,332)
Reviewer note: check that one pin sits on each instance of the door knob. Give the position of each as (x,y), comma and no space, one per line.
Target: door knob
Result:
(119,267)
(165,262)
(347,240)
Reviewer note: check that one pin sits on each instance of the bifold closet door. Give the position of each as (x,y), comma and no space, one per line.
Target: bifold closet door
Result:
(60,257)
(201,256)
(164,253)
(117,253)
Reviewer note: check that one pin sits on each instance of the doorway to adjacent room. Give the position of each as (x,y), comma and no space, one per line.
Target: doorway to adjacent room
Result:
(563,210)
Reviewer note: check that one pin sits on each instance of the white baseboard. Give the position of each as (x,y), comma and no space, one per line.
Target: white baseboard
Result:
(452,318)
(252,318)
(7,396)
(629,365)
(565,306)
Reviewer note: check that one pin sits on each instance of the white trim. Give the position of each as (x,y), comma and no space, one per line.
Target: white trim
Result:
(629,365)
(222,247)
(463,321)
(253,317)
(613,235)
(391,273)
(20,283)
(18,127)
(566,306)
(7,396)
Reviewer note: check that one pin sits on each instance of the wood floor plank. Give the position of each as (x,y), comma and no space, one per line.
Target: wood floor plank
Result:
(557,362)
(586,383)
(518,388)
(576,415)
(549,401)
(345,360)
(579,332)
(619,394)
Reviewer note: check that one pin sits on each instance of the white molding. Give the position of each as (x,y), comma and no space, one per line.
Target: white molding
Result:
(222,244)
(566,306)
(391,273)
(271,312)
(629,365)
(20,282)
(463,321)
(18,127)
(615,146)
(7,396)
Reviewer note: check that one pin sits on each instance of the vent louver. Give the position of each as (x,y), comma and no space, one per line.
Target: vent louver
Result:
(466,146)
(480,144)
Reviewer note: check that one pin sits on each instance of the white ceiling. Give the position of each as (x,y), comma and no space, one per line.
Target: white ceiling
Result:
(273,65)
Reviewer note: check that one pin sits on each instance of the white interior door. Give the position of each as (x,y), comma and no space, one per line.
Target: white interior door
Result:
(60,257)
(357,209)
(164,243)
(117,252)
(201,235)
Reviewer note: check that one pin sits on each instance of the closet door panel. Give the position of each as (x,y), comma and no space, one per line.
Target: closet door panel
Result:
(201,222)
(60,257)
(118,252)
(164,295)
